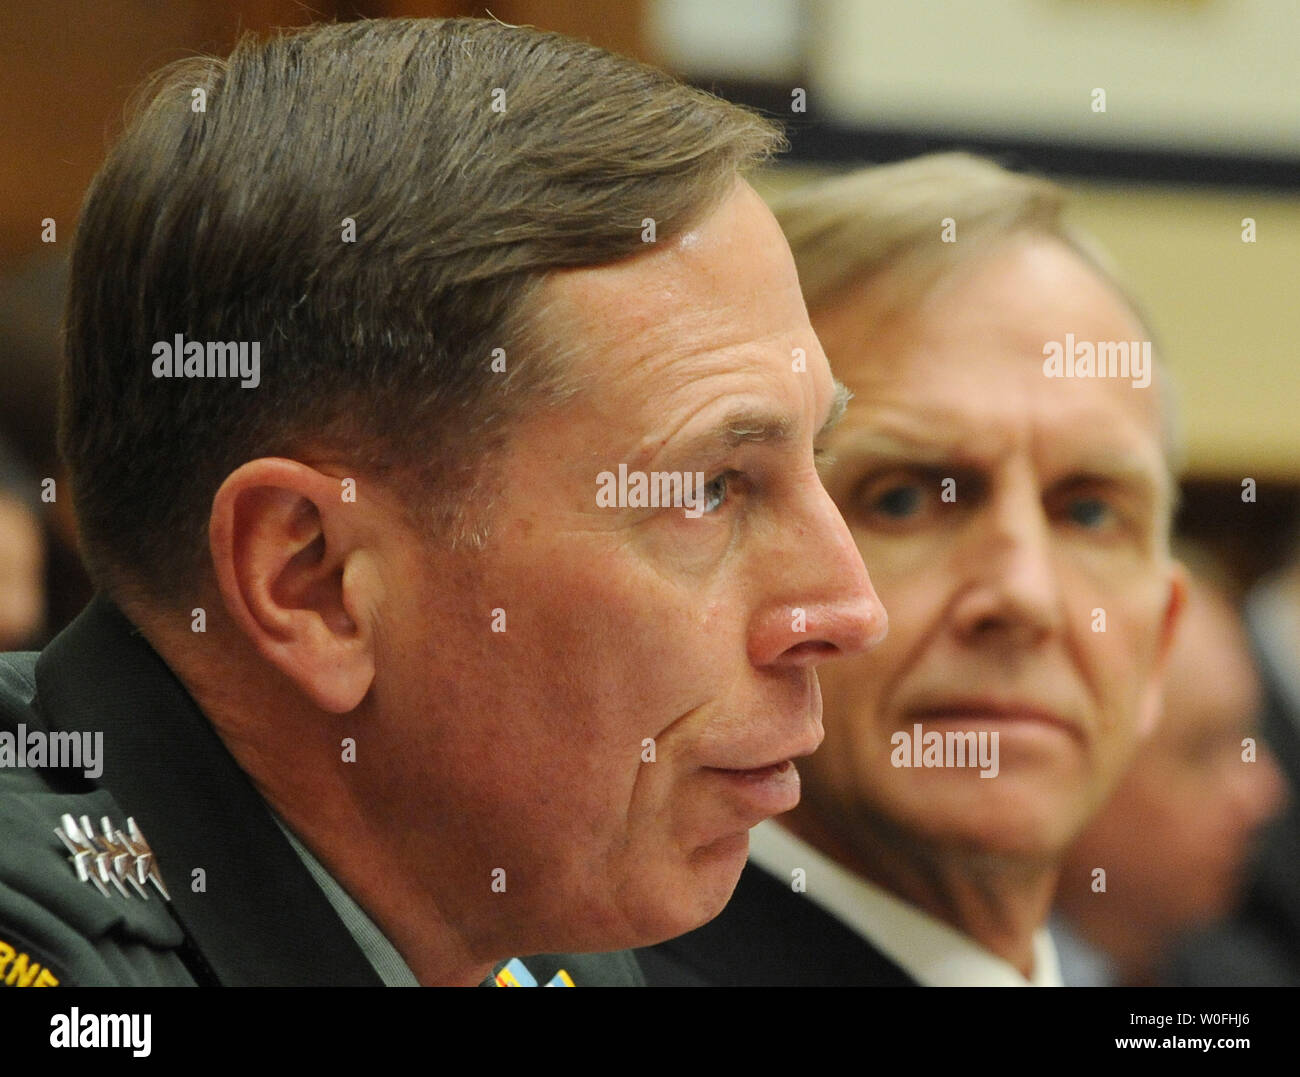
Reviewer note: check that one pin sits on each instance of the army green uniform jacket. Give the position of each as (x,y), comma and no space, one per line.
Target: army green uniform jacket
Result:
(258,918)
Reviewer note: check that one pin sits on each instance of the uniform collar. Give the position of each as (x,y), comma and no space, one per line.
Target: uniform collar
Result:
(261,918)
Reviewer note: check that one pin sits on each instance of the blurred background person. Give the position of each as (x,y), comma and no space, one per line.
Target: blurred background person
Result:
(55,586)
(1259,945)
(1176,840)
(22,557)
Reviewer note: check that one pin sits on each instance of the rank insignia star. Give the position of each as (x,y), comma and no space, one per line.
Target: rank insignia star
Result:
(111,857)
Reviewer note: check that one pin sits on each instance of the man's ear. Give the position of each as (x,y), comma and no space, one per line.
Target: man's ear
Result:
(295,577)
(1153,698)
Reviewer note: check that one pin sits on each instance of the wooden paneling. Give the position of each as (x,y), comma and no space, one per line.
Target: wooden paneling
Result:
(68,70)
(617,25)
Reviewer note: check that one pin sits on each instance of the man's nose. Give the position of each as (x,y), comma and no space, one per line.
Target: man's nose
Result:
(1010,588)
(825,604)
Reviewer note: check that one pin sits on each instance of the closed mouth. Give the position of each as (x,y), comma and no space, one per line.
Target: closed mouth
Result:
(999,712)
(768,771)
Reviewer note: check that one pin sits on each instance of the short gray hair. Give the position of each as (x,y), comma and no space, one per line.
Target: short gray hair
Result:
(882,223)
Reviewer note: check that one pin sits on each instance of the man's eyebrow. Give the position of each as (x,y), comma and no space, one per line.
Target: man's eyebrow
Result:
(889,446)
(839,405)
(1114,468)
(898,448)
(751,426)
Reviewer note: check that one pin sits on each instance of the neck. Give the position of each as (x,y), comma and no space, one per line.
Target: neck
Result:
(409,916)
(341,810)
(998,902)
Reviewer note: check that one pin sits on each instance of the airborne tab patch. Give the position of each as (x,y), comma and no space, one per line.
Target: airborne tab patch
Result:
(22,965)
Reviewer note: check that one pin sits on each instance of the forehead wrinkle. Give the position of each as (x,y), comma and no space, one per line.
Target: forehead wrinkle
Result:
(762,425)
(674,326)
(744,424)
(683,370)
(928,441)
(748,422)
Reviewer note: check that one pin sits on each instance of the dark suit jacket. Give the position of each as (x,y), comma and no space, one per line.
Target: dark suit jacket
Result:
(259,918)
(767,936)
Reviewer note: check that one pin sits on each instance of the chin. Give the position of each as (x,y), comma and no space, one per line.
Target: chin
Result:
(696,891)
(663,900)
(1021,842)
(1018,828)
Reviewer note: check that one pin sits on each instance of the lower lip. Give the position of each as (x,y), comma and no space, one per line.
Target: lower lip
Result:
(767,790)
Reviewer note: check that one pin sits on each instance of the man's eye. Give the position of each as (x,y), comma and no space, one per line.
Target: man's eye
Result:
(1090,512)
(714,492)
(897,498)
(900,502)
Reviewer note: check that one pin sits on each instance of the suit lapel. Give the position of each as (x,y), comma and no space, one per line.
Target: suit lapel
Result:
(770,936)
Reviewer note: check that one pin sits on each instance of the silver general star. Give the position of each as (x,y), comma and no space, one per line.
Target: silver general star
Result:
(111,856)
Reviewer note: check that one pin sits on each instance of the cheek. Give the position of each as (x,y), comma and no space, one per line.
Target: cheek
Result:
(873,680)
(847,689)
(913,583)
(1133,595)
(896,563)
(1125,656)
(855,746)
(580,682)
(861,693)
(1116,619)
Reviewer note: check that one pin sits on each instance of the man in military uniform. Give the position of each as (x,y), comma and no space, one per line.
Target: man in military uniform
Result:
(272,914)
(379,690)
